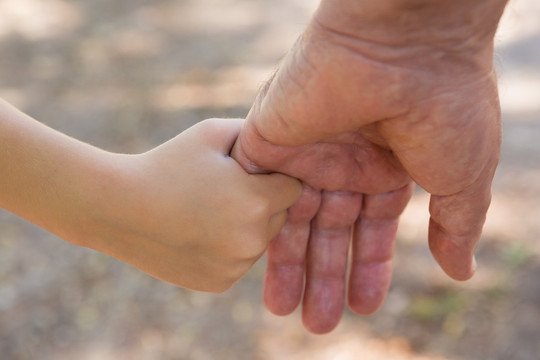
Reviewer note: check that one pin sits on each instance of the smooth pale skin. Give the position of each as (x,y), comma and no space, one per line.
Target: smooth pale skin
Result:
(184,212)
(374,97)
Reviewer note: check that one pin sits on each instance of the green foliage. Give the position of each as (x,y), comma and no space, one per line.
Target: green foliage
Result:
(514,255)
(436,307)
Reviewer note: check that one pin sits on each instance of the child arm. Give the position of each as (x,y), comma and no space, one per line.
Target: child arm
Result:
(184,212)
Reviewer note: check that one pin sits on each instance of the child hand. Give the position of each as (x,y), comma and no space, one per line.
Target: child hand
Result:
(187,213)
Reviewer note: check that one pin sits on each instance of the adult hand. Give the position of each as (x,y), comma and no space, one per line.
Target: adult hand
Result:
(374,97)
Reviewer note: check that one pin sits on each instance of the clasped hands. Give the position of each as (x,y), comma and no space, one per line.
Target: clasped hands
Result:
(375,97)
(360,115)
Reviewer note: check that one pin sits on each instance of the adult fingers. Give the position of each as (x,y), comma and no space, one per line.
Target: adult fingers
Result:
(372,249)
(284,278)
(326,266)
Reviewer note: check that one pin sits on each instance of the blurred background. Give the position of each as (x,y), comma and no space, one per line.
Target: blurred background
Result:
(126,75)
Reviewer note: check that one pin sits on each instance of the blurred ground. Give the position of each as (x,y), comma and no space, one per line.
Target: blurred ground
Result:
(126,75)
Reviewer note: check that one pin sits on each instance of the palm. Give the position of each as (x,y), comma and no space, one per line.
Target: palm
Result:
(358,132)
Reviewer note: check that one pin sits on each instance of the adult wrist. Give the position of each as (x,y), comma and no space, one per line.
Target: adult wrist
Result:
(449,25)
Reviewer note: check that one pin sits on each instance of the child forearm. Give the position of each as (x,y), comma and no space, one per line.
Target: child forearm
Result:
(47,177)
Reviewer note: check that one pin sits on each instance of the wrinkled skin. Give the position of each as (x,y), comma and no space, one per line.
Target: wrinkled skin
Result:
(360,117)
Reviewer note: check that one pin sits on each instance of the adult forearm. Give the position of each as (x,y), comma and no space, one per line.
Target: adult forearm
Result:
(415,19)
(448,25)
